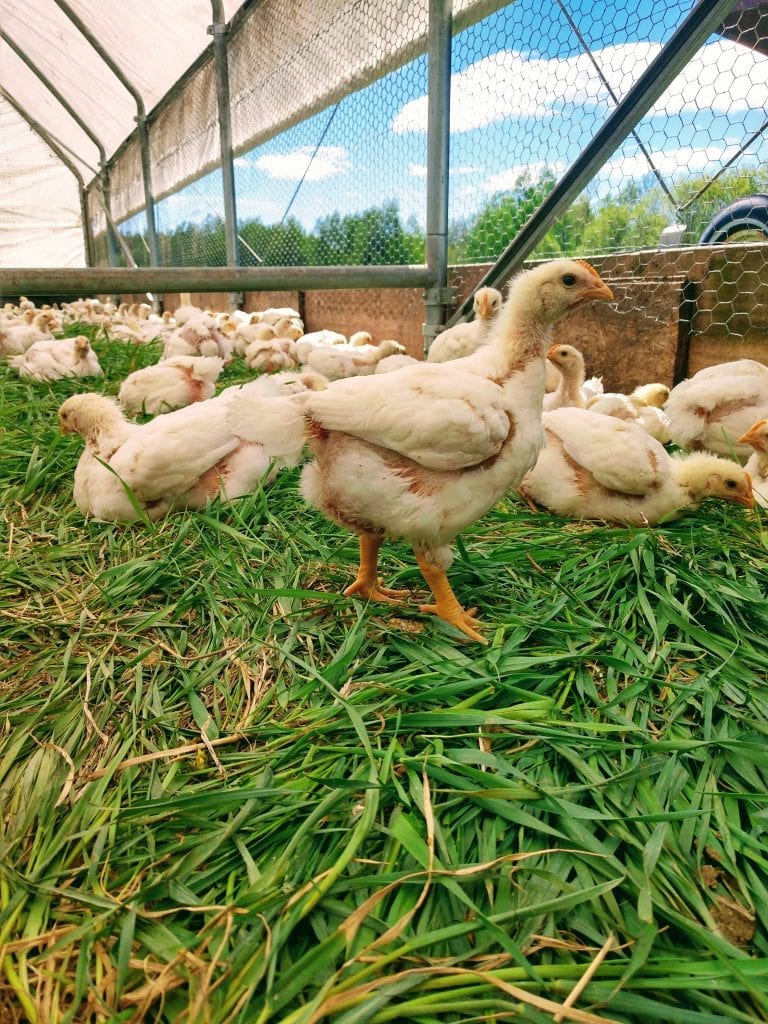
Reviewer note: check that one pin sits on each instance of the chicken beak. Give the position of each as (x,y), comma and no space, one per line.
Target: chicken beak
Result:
(598,293)
(750,439)
(747,499)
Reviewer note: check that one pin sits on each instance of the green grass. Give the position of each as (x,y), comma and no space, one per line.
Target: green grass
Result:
(232,794)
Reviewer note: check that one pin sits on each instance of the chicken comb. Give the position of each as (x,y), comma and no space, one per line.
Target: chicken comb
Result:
(589,267)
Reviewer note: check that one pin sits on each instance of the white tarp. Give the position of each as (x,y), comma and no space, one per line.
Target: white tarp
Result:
(39,202)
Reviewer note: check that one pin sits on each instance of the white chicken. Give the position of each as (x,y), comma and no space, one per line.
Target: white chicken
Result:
(570,363)
(395,362)
(337,361)
(275,313)
(275,385)
(757,464)
(652,394)
(172,384)
(16,339)
(273,354)
(249,332)
(599,467)
(56,358)
(464,339)
(182,459)
(712,409)
(424,451)
(632,409)
(199,336)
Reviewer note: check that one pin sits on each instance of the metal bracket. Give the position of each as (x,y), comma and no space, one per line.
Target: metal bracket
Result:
(440,296)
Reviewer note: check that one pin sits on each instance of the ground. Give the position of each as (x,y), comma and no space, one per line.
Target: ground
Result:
(232,794)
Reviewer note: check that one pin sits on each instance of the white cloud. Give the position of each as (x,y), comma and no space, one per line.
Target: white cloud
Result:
(328,162)
(417,170)
(723,77)
(507,179)
(669,163)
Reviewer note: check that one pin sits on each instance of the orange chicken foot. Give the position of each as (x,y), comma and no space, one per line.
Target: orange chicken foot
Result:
(367,584)
(446,605)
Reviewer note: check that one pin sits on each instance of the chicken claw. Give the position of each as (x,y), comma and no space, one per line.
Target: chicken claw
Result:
(374,591)
(446,606)
(368,584)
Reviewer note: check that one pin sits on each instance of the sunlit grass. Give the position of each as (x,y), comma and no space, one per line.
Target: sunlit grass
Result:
(231,794)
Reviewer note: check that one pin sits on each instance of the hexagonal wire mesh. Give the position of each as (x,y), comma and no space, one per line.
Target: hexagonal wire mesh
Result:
(532,83)
(535,80)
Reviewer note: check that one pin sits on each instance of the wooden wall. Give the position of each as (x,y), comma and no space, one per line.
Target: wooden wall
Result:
(676,311)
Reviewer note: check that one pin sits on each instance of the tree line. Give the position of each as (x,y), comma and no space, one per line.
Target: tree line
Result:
(631,219)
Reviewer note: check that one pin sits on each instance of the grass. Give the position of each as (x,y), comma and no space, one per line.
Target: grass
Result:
(231,794)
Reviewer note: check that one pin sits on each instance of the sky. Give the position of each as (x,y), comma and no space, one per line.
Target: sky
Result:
(524,95)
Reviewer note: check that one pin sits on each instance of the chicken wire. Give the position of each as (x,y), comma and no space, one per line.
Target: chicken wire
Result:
(329,122)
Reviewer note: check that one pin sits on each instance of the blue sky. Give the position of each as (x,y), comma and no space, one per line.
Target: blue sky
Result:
(524,95)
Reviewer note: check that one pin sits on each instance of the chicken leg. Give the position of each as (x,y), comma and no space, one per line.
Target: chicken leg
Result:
(367,584)
(446,605)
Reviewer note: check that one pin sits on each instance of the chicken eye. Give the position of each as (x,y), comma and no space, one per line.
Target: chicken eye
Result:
(569,280)
(731,484)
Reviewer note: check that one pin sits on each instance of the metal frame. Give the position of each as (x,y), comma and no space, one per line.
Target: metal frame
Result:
(438,142)
(73,281)
(703,19)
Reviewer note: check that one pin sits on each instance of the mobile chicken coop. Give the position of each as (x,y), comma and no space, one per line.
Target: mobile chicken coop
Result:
(230,793)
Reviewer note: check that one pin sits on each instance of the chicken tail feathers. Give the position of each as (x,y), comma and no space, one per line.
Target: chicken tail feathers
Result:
(275,423)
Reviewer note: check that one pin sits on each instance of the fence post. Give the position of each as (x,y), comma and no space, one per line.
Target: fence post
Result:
(220,32)
(438,144)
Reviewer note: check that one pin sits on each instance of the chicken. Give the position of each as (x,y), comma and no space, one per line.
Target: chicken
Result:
(395,362)
(757,464)
(268,356)
(570,362)
(56,358)
(464,339)
(315,339)
(182,459)
(274,314)
(185,313)
(360,338)
(337,361)
(16,339)
(199,336)
(592,387)
(598,467)
(172,384)
(633,409)
(424,451)
(275,385)
(652,394)
(712,409)
(250,332)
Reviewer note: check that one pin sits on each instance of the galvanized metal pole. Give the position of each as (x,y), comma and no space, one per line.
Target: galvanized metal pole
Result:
(220,32)
(141,122)
(438,142)
(685,42)
(76,281)
(87,233)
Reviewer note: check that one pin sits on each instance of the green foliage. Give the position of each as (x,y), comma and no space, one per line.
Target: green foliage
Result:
(632,219)
(232,795)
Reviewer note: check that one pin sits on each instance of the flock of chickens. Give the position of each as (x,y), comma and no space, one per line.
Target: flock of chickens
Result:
(401,448)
